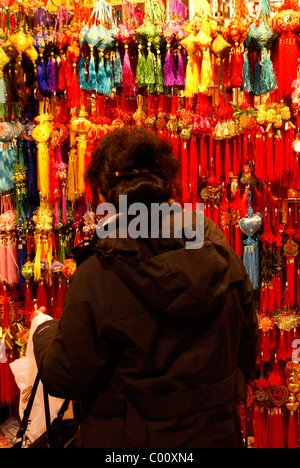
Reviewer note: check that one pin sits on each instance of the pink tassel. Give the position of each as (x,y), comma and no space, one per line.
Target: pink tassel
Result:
(12,264)
(128,79)
(3,262)
(64,207)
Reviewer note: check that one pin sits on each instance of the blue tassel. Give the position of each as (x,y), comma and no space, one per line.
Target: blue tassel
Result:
(31,171)
(82,76)
(251,260)
(265,80)
(107,79)
(101,76)
(118,70)
(41,75)
(247,76)
(92,82)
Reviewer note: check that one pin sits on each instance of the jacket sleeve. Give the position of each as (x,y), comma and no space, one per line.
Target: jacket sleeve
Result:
(249,334)
(73,356)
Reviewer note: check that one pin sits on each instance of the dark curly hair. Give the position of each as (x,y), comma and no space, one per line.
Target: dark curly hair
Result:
(133,162)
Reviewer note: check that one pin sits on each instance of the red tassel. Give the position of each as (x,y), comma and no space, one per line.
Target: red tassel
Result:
(218,160)
(193,168)
(269,174)
(6,321)
(60,299)
(291,431)
(259,426)
(287,47)
(282,352)
(259,156)
(184,171)
(227,156)
(74,91)
(290,276)
(42,296)
(266,346)
(28,304)
(62,84)
(237,68)
(238,246)
(203,157)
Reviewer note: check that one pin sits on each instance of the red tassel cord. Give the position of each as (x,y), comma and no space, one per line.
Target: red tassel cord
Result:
(269,168)
(259,156)
(193,169)
(225,217)
(218,160)
(291,280)
(203,157)
(227,161)
(287,47)
(291,431)
(42,295)
(236,158)
(278,157)
(184,170)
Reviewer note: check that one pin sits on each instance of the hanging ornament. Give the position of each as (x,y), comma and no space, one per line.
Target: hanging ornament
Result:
(250,225)
(261,35)
(286,23)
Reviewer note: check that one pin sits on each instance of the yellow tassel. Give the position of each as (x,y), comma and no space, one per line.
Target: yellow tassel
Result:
(37,261)
(81,147)
(206,73)
(71,187)
(192,78)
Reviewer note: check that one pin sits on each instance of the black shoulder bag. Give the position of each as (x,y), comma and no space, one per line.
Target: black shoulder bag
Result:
(61,433)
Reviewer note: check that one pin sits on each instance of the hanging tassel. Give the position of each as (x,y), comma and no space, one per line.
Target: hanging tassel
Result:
(150,70)
(92,81)
(128,80)
(247,75)
(52,74)
(193,168)
(28,302)
(62,83)
(6,320)
(206,77)
(107,85)
(101,74)
(180,71)
(37,260)
(291,431)
(82,74)
(259,425)
(159,78)
(237,69)
(118,70)
(59,305)
(227,158)
(64,206)
(42,296)
(184,171)
(169,69)
(12,263)
(291,277)
(141,68)
(41,75)
(251,260)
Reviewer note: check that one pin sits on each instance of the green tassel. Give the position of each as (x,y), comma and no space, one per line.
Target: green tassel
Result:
(159,74)
(150,71)
(141,69)
(82,78)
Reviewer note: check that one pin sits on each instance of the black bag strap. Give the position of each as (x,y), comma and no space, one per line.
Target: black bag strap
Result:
(27,411)
(25,420)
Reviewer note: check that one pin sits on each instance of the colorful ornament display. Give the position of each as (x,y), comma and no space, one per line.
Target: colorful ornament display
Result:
(224,93)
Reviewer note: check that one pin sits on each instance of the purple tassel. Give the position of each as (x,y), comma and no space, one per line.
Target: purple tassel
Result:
(180,73)
(169,70)
(52,77)
(41,75)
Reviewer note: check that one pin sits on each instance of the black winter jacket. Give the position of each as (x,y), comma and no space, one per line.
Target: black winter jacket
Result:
(151,342)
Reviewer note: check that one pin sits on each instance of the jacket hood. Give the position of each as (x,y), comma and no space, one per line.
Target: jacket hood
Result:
(169,278)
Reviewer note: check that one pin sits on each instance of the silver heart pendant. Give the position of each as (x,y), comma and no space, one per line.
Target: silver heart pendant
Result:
(250,226)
